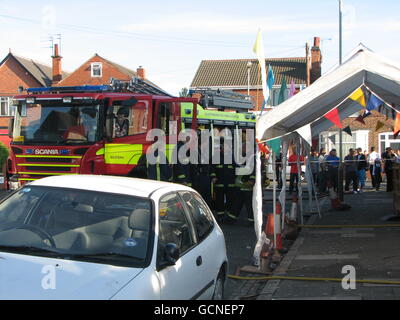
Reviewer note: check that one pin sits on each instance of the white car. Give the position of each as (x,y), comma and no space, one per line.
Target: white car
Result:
(103,237)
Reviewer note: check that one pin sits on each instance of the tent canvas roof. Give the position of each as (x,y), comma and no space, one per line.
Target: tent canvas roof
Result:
(363,67)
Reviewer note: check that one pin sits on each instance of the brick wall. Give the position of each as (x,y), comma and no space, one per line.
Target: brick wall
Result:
(82,75)
(370,124)
(12,76)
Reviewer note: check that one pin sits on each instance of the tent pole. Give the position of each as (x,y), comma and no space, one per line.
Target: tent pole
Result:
(340,173)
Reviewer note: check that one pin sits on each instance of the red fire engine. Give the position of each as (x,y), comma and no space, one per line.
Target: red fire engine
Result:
(97,129)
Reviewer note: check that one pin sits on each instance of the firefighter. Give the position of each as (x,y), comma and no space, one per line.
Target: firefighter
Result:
(244,197)
(182,168)
(203,174)
(224,186)
(245,180)
(159,171)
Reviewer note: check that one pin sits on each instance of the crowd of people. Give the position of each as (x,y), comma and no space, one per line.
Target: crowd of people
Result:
(356,165)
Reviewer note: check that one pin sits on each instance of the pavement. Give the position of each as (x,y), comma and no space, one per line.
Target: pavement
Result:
(323,252)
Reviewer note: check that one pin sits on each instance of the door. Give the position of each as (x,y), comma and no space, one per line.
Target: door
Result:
(207,248)
(131,124)
(183,280)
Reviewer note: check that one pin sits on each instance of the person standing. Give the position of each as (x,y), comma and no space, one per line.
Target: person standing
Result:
(225,186)
(294,173)
(388,158)
(314,164)
(278,170)
(351,166)
(371,161)
(323,173)
(361,169)
(376,173)
(332,163)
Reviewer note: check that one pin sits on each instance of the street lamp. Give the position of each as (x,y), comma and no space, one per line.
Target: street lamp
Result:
(249,64)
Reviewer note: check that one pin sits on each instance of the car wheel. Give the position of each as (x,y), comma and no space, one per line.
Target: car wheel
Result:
(219,289)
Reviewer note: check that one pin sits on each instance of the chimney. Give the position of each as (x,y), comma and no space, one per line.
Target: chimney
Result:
(141,73)
(57,69)
(316,60)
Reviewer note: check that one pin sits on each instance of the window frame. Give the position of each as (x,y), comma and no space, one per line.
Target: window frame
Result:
(9,107)
(206,235)
(92,66)
(188,219)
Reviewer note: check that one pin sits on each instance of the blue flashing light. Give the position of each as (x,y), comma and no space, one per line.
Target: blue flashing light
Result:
(69,89)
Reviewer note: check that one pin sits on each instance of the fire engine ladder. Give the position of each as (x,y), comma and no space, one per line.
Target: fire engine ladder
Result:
(223,100)
(137,85)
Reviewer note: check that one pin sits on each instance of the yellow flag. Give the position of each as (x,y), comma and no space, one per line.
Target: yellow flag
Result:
(259,51)
(359,97)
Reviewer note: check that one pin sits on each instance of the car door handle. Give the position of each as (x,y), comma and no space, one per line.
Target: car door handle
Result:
(199,261)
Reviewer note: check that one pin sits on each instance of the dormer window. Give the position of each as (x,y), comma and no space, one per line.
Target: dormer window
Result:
(96,69)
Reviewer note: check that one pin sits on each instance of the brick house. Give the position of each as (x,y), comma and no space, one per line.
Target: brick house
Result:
(243,76)
(363,136)
(17,72)
(98,71)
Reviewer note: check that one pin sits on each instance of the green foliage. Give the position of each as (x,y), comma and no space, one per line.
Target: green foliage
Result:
(4,153)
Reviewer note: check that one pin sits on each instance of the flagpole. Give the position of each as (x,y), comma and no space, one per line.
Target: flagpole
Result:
(340,175)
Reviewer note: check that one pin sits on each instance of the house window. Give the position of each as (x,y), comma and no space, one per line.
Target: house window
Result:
(96,69)
(387,140)
(6,107)
(359,139)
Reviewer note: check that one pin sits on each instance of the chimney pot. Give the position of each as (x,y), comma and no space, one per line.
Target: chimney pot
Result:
(141,72)
(317,42)
(57,69)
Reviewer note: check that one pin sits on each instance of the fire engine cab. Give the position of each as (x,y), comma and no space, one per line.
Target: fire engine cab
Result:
(103,129)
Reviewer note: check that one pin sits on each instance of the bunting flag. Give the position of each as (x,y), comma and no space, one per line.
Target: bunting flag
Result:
(348,131)
(333,139)
(262,147)
(305,133)
(359,97)
(271,78)
(396,129)
(366,114)
(394,114)
(292,91)
(333,116)
(275,145)
(374,103)
(258,49)
(379,125)
(360,119)
(282,91)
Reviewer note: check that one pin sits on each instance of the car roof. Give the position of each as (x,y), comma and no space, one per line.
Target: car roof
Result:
(121,185)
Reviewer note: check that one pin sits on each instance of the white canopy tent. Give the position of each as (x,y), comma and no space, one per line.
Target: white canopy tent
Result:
(362,68)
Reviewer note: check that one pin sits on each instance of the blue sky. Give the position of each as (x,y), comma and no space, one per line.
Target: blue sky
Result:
(170,38)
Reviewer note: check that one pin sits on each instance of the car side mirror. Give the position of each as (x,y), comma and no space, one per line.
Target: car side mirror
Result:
(171,254)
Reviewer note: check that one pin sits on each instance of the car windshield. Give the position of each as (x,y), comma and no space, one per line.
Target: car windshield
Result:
(76,225)
(57,123)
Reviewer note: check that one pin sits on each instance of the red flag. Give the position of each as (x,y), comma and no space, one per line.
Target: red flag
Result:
(333,116)
(360,118)
(262,147)
(396,129)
